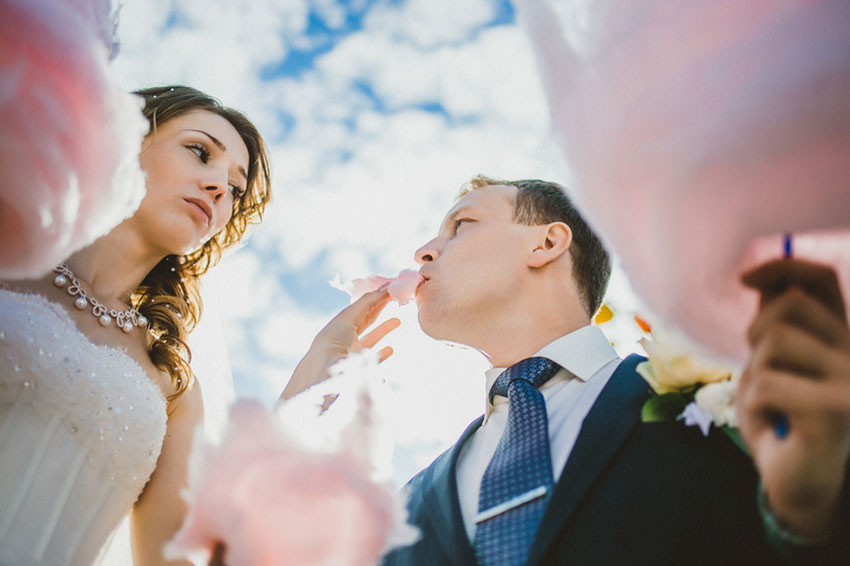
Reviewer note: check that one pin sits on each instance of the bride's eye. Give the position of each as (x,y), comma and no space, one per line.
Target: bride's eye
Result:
(202,152)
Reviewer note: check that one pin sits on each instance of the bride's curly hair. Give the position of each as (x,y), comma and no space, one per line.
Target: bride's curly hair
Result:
(169,296)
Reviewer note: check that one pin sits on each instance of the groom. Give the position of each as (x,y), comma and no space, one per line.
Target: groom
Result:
(560,469)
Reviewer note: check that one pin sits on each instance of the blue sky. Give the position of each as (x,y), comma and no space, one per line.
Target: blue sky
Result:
(375,112)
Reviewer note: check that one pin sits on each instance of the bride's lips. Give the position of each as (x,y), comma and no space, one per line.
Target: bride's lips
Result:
(202,209)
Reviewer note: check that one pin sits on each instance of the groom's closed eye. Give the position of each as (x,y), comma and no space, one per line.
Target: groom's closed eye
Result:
(461,221)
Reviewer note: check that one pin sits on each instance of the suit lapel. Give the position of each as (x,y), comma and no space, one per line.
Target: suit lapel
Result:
(442,506)
(609,422)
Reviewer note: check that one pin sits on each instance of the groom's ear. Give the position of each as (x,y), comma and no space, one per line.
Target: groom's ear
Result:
(552,241)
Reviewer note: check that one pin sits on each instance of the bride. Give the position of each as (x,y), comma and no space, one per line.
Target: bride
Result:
(98,404)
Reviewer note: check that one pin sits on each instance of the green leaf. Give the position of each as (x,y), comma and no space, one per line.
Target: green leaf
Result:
(664,407)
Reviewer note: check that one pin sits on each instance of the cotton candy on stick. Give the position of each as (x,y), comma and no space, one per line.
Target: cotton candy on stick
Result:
(272,500)
(697,134)
(69,136)
(401,288)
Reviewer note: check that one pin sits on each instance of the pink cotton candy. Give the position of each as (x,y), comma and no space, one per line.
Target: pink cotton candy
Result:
(359,287)
(401,288)
(272,502)
(698,133)
(69,138)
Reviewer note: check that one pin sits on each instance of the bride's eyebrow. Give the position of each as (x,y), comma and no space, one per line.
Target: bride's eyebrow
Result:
(219,145)
(212,138)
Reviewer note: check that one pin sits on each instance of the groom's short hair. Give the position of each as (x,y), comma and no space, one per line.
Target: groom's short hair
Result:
(541,202)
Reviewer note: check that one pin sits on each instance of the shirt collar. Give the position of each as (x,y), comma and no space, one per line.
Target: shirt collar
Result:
(582,353)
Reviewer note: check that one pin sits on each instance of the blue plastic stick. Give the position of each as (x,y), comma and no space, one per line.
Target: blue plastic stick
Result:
(787,247)
(781,425)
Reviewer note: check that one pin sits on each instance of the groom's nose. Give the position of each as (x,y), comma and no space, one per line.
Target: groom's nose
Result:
(427,253)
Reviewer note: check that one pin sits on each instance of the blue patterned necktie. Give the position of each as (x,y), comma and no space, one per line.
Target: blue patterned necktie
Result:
(517,482)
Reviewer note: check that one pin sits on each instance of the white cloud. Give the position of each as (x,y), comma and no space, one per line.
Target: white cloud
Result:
(333,13)
(428,23)
(246,289)
(218,46)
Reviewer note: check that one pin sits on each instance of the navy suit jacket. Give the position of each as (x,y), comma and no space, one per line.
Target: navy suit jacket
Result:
(630,493)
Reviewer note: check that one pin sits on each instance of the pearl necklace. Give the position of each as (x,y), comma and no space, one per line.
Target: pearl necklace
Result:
(126,319)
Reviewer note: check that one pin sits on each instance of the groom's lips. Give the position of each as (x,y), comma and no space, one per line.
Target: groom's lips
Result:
(425,279)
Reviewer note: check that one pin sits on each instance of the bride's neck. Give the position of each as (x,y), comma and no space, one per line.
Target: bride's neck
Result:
(113,266)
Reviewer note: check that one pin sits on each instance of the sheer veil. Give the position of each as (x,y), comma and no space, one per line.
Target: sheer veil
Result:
(210,359)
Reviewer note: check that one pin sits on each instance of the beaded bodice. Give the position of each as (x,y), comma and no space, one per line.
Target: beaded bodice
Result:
(81,427)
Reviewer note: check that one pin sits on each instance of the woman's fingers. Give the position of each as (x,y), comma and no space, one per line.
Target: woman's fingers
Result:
(366,309)
(774,278)
(385,353)
(361,313)
(790,348)
(375,336)
(340,334)
(796,308)
(340,337)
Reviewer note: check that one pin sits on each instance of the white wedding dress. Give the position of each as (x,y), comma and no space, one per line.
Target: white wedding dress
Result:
(81,427)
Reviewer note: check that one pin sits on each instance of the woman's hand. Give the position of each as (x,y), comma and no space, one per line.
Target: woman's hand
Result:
(799,375)
(340,337)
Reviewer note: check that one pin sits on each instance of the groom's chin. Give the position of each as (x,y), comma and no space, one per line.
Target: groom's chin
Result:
(441,327)
(424,323)
(432,326)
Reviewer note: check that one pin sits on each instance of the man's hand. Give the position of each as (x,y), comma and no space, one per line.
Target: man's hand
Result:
(340,337)
(794,395)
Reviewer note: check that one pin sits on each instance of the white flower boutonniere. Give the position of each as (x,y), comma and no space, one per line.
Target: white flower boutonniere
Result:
(689,387)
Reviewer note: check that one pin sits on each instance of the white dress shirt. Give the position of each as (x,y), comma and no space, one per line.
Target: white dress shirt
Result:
(587,360)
